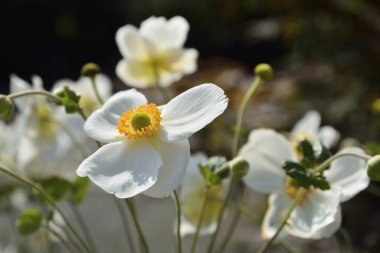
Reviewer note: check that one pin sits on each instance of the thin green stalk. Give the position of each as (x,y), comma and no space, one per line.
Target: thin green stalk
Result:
(156,77)
(83,226)
(178,207)
(50,201)
(326,163)
(96,91)
(347,238)
(33,92)
(132,210)
(220,216)
(288,248)
(300,194)
(123,217)
(60,238)
(200,220)
(243,107)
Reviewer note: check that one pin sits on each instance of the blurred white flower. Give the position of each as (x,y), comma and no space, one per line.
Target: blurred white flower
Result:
(155,51)
(318,214)
(193,192)
(148,147)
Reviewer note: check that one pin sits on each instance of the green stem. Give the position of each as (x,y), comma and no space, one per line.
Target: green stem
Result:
(60,238)
(200,220)
(51,202)
(96,91)
(347,238)
(326,163)
(288,248)
(83,226)
(220,216)
(243,107)
(125,224)
(300,194)
(178,206)
(34,92)
(132,210)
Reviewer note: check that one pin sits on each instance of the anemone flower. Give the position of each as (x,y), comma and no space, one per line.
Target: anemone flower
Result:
(148,148)
(154,53)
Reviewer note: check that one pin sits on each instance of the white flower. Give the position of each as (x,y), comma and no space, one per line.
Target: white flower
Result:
(155,50)
(318,214)
(193,192)
(148,148)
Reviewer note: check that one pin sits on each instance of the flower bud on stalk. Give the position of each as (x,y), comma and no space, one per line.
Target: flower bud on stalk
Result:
(239,167)
(6,107)
(29,221)
(90,69)
(264,71)
(373,168)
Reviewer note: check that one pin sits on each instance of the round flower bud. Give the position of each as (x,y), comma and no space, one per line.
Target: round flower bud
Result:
(90,69)
(239,167)
(6,107)
(376,106)
(29,221)
(373,168)
(264,71)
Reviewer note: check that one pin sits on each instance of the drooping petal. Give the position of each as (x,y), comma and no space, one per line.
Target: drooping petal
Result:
(318,212)
(308,125)
(123,168)
(135,73)
(164,33)
(175,156)
(329,136)
(191,111)
(348,175)
(132,45)
(266,151)
(101,125)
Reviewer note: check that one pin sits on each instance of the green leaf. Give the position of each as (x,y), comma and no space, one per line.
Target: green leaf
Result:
(29,221)
(79,189)
(320,182)
(307,151)
(70,100)
(324,155)
(56,187)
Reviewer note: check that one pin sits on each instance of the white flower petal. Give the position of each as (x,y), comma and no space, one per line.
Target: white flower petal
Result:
(318,212)
(135,73)
(18,85)
(274,215)
(266,151)
(123,168)
(101,125)
(308,124)
(132,45)
(329,136)
(330,229)
(189,228)
(193,180)
(175,156)
(164,33)
(191,111)
(184,61)
(348,174)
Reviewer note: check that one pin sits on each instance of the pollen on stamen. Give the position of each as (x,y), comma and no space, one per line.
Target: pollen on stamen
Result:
(143,121)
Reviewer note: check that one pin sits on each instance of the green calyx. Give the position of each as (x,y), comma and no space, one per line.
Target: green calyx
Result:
(6,107)
(239,167)
(140,120)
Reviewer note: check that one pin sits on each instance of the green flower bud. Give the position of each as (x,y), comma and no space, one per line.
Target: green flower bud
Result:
(373,168)
(239,167)
(376,106)
(6,107)
(264,71)
(29,221)
(90,69)
(223,172)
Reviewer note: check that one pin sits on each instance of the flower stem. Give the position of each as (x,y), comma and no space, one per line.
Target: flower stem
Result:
(125,225)
(347,239)
(132,210)
(242,108)
(83,226)
(34,92)
(60,238)
(178,206)
(326,163)
(220,216)
(200,220)
(96,91)
(156,77)
(300,194)
(51,202)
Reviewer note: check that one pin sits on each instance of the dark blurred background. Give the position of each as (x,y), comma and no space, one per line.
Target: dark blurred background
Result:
(326,55)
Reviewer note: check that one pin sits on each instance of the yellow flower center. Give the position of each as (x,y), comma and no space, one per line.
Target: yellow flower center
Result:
(143,121)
